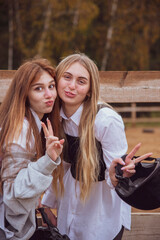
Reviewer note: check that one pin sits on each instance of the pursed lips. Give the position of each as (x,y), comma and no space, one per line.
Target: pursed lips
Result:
(70,94)
(49,103)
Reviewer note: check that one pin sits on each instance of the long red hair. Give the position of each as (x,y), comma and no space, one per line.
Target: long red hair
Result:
(15,107)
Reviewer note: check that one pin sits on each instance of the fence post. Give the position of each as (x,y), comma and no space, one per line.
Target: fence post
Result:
(133,114)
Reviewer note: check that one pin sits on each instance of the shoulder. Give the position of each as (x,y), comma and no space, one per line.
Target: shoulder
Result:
(107,115)
(25,128)
(108,122)
(23,135)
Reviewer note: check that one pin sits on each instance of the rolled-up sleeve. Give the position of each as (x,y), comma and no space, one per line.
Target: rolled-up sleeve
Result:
(34,179)
(109,130)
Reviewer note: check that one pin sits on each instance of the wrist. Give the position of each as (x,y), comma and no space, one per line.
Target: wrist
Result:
(114,180)
(57,161)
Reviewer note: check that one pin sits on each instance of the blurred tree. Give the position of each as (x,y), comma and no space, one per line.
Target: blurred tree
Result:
(69,27)
(47,21)
(56,28)
(10,33)
(136,31)
(109,35)
(4,35)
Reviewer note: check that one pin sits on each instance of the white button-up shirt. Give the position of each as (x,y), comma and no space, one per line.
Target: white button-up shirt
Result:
(104,213)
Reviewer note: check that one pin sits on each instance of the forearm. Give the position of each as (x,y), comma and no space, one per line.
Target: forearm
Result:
(31,180)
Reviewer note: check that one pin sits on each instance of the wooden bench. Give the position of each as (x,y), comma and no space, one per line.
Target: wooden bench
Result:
(123,87)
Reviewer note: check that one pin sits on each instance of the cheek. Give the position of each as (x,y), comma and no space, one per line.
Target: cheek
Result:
(55,93)
(60,87)
(85,90)
(60,93)
(34,100)
(62,83)
(34,104)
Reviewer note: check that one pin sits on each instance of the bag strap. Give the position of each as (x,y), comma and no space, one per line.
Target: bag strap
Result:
(53,229)
(45,218)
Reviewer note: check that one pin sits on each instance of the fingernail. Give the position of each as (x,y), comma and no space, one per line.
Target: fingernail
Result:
(123,163)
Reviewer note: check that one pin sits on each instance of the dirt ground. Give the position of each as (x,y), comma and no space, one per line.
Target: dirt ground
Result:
(148,136)
(150,140)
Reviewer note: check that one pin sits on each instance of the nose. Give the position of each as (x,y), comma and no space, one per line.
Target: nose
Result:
(72,84)
(48,93)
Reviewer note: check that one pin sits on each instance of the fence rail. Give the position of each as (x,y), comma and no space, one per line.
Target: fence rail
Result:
(133,109)
(118,87)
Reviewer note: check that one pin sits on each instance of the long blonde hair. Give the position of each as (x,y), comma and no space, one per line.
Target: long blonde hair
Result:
(87,169)
(15,107)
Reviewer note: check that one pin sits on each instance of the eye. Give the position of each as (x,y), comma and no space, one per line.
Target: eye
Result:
(51,86)
(67,76)
(81,81)
(38,88)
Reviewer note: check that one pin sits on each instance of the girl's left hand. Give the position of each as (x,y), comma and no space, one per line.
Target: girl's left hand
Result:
(54,146)
(129,164)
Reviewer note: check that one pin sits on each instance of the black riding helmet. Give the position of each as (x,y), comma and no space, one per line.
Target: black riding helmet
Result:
(142,190)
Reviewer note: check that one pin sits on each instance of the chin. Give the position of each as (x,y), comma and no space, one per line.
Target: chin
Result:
(49,110)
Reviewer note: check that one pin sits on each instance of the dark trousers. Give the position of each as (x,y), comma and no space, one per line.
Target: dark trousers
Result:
(2,235)
(120,234)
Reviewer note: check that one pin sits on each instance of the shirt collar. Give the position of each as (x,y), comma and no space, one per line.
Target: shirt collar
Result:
(38,122)
(75,117)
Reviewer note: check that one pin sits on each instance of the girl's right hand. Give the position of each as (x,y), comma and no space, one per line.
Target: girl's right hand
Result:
(128,166)
(54,146)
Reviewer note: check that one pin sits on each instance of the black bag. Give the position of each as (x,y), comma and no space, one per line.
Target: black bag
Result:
(142,190)
(47,233)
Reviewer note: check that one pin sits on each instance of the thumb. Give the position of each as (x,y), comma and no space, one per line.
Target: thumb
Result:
(61,141)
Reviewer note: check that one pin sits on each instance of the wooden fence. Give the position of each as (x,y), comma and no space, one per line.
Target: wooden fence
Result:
(124,87)
(119,88)
(133,109)
(132,87)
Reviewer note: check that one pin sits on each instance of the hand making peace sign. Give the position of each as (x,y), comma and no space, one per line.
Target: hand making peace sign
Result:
(129,164)
(54,146)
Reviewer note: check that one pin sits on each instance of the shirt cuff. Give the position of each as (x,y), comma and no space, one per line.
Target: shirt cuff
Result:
(108,180)
(45,164)
(58,161)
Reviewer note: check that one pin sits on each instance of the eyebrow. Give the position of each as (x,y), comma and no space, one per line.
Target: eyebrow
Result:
(40,84)
(78,77)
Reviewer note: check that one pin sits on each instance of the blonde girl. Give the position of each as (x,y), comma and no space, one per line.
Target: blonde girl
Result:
(89,209)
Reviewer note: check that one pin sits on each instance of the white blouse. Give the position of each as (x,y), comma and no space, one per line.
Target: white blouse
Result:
(104,213)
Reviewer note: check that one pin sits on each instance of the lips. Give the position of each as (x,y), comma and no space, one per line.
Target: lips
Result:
(49,103)
(70,94)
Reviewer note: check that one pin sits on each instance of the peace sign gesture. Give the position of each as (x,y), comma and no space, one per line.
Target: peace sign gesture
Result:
(129,164)
(54,146)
